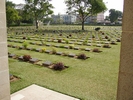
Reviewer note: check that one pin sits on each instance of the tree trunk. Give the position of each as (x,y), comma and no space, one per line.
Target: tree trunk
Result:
(36,23)
(82,25)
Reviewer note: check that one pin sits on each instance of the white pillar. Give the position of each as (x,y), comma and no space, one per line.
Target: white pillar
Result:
(4,72)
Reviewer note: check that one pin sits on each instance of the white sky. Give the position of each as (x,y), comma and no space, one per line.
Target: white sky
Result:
(60,7)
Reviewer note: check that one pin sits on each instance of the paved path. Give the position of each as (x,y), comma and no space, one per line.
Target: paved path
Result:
(35,92)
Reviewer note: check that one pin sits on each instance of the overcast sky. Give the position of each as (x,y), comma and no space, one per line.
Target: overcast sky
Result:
(60,7)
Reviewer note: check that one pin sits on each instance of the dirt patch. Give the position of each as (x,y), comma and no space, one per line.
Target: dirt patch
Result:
(14,78)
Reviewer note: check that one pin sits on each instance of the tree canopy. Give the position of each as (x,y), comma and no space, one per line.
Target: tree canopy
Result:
(11,13)
(38,9)
(84,8)
(114,14)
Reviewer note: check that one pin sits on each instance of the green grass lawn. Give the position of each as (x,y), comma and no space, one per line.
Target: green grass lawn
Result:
(91,79)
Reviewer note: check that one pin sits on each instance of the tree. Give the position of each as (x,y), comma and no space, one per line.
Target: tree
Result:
(11,13)
(10,4)
(114,14)
(38,9)
(26,18)
(106,17)
(85,8)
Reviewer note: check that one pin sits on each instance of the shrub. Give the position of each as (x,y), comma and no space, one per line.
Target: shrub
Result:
(97,28)
(61,46)
(59,40)
(43,49)
(26,57)
(36,36)
(24,37)
(28,38)
(106,37)
(11,36)
(25,44)
(58,66)
(84,42)
(9,45)
(106,46)
(96,50)
(54,50)
(93,36)
(9,40)
(71,46)
(109,39)
(67,41)
(82,56)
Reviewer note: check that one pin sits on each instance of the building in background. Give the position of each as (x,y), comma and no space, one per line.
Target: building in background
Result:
(69,19)
(19,6)
(63,19)
(99,18)
(91,19)
(57,19)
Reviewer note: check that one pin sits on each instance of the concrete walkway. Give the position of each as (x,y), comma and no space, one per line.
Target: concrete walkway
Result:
(35,92)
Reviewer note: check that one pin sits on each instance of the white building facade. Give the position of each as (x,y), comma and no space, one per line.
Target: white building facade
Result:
(99,18)
(64,19)
(71,19)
